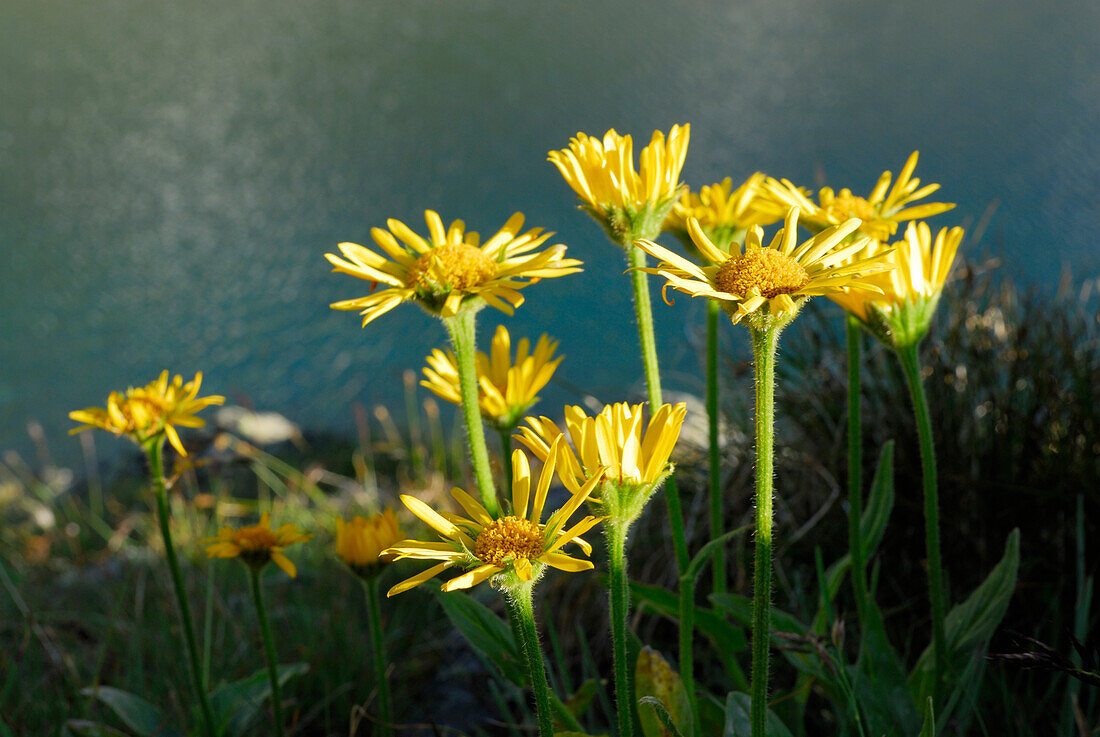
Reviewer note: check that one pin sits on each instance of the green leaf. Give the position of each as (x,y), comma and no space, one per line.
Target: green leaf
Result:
(136,713)
(928,729)
(484,631)
(727,638)
(237,704)
(738,723)
(695,567)
(655,681)
(578,703)
(879,682)
(969,626)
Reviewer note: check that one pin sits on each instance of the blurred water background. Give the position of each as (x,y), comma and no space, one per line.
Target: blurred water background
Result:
(171,173)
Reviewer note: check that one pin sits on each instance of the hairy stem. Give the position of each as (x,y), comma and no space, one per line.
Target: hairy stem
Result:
(853,332)
(522,612)
(620,608)
(269,650)
(717,527)
(385,704)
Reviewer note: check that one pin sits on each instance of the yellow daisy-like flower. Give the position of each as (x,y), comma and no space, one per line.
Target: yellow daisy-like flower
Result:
(602,174)
(257,545)
(361,540)
(518,544)
(909,294)
(506,390)
(614,446)
(770,281)
(721,210)
(880,211)
(151,411)
(449,269)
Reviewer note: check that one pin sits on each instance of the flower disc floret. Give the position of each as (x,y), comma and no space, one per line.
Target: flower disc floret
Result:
(762,271)
(462,266)
(508,538)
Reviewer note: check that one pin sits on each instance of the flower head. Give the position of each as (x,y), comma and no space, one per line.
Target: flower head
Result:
(150,412)
(625,201)
(880,211)
(257,545)
(770,282)
(517,544)
(613,448)
(902,311)
(361,540)
(450,269)
(722,211)
(506,390)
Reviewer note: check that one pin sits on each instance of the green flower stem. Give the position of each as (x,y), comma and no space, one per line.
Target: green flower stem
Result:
(910,363)
(854,333)
(561,711)
(687,633)
(269,649)
(155,451)
(461,328)
(506,456)
(620,608)
(764,342)
(643,310)
(385,704)
(522,612)
(718,560)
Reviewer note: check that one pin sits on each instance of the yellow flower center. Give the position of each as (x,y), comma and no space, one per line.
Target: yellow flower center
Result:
(764,270)
(508,538)
(846,206)
(462,265)
(253,539)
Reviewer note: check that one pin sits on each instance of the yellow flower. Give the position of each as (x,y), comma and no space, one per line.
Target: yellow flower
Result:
(149,412)
(450,269)
(909,294)
(360,542)
(517,544)
(880,211)
(602,174)
(772,281)
(505,390)
(257,544)
(720,211)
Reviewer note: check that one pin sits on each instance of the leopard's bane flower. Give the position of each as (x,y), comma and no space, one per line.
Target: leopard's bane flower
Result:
(628,203)
(256,545)
(361,540)
(880,211)
(615,448)
(772,282)
(150,412)
(450,269)
(722,212)
(506,389)
(901,313)
(513,547)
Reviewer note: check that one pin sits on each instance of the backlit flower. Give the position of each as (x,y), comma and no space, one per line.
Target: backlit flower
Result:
(256,545)
(721,211)
(624,200)
(516,543)
(910,292)
(450,268)
(772,281)
(880,211)
(361,540)
(506,390)
(151,411)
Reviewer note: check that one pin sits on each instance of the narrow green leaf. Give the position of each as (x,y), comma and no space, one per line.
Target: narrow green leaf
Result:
(236,705)
(879,681)
(80,728)
(655,680)
(484,631)
(737,719)
(929,727)
(969,626)
(696,566)
(876,513)
(140,716)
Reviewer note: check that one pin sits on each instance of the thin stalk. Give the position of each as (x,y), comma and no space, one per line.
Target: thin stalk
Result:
(764,342)
(385,703)
(269,650)
(687,632)
(717,527)
(910,363)
(506,455)
(620,608)
(561,711)
(461,328)
(155,451)
(643,311)
(854,333)
(521,609)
